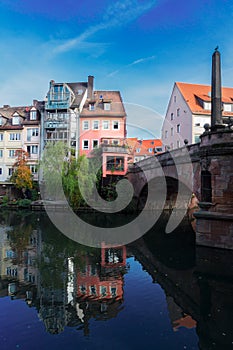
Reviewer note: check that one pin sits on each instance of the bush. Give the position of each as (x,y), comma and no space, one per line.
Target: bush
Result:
(24,203)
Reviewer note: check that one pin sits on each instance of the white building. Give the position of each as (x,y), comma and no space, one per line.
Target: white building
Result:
(188,110)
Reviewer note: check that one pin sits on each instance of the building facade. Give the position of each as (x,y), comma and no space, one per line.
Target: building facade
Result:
(102,121)
(189,109)
(19,129)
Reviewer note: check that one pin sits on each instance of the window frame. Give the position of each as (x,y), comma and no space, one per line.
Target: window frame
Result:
(88,145)
(118,123)
(88,125)
(93,124)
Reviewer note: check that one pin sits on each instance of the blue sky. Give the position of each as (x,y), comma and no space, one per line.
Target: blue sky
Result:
(138,47)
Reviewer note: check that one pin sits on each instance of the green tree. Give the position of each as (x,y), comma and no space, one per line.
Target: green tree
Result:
(63,175)
(52,164)
(78,181)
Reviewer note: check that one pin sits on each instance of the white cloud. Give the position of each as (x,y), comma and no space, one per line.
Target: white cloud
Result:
(140,60)
(116,15)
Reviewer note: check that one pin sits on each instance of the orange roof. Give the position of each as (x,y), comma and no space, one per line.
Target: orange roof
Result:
(193,92)
(142,145)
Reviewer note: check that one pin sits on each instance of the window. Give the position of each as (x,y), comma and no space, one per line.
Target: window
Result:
(115,142)
(58,92)
(206,186)
(115,163)
(91,107)
(33,114)
(85,144)
(227,107)
(33,169)
(178,144)
(93,290)
(174,98)
(11,153)
(95,125)
(138,150)
(107,106)
(33,149)
(166,134)
(116,125)
(113,291)
(1,153)
(150,150)
(105,142)
(172,131)
(1,136)
(15,137)
(95,143)
(15,120)
(0,171)
(178,128)
(103,291)
(85,125)
(196,138)
(172,116)
(32,133)
(207,105)
(10,171)
(105,124)
(178,112)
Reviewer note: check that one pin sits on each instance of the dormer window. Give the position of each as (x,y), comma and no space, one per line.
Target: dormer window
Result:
(33,114)
(107,106)
(15,119)
(207,105)
(227,107)
(91,106)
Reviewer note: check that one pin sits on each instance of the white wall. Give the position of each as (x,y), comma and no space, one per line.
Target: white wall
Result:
(184,120)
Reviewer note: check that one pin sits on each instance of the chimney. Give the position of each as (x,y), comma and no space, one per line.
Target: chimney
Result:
(216,92)
(90,86)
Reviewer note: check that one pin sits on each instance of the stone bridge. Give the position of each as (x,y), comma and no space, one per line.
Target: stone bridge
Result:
(171,179)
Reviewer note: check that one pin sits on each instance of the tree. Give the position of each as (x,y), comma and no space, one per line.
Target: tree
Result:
(52,164)
(22,176)
(67,175)
(78,181)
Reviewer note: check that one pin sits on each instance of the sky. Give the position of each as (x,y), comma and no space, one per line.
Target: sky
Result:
(137,47)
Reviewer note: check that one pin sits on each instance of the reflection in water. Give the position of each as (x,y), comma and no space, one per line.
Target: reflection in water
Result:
(70,285)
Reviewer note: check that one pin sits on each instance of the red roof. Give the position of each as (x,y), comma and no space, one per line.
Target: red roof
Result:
(193,92)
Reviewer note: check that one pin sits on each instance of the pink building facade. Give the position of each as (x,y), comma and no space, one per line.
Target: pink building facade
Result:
(102,123)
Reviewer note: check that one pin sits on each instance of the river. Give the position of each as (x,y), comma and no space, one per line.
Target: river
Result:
(159,292)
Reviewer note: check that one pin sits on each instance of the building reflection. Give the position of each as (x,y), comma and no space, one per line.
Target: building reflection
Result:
(67,284)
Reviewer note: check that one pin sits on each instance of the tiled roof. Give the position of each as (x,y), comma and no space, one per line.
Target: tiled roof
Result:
(193,92)
(99,97)
(23,111)
(142,145)
(78,90)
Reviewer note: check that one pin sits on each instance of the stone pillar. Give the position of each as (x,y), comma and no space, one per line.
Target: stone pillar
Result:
(216,92)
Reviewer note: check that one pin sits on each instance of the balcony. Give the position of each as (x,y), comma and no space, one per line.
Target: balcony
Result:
(55,125)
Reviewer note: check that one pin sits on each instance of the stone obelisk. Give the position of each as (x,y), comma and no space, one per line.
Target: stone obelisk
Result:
(216,92)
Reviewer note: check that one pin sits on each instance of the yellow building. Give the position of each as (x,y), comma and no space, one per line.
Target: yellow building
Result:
(19,129)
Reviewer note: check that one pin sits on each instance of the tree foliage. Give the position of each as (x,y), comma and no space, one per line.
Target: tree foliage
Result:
(22,176)
(63,173)
(78,181)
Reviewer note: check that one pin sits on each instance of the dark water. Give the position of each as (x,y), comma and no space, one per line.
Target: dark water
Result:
(160,292)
